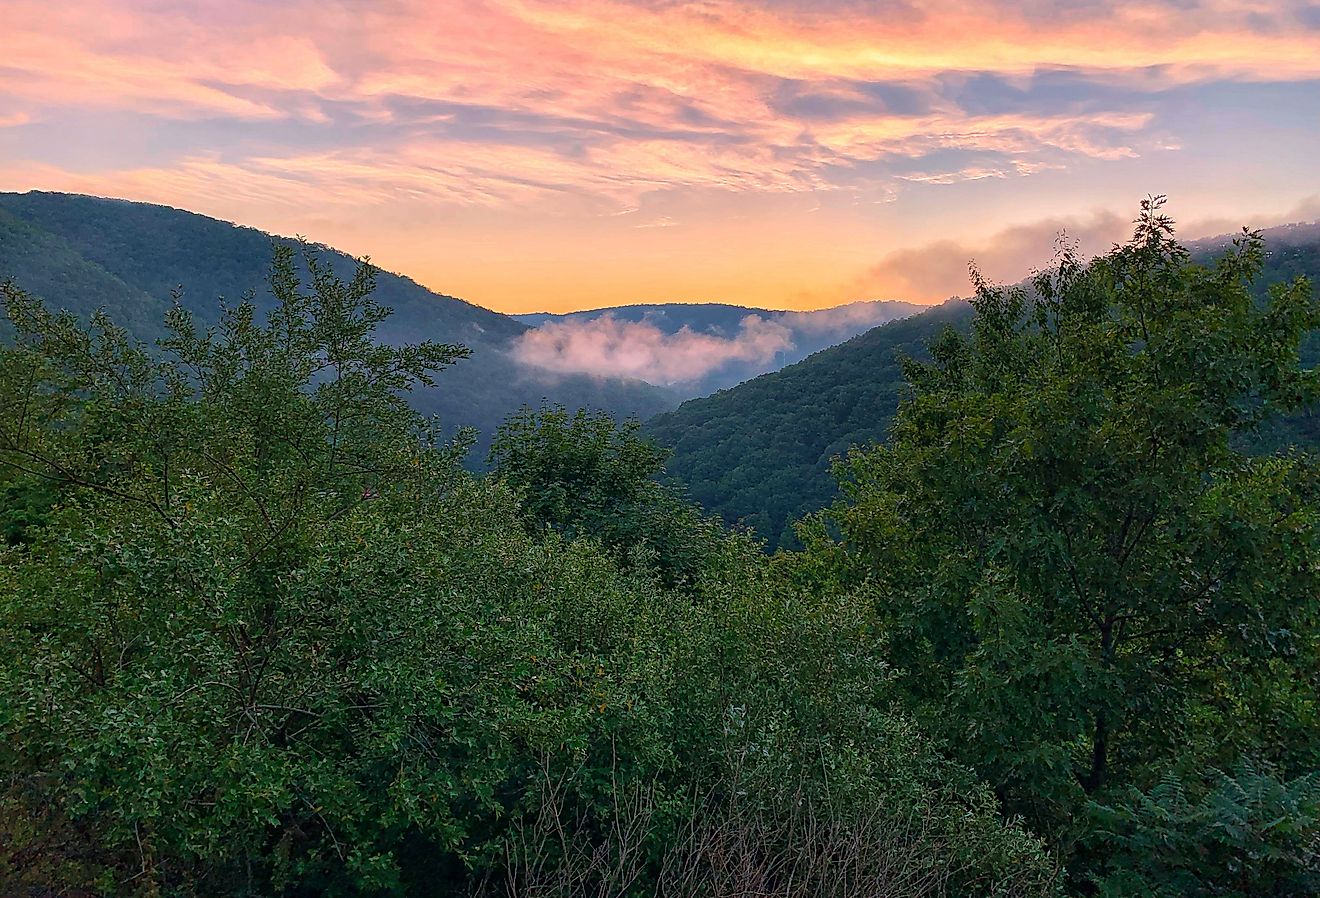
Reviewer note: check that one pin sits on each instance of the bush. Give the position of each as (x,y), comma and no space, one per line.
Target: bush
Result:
(270,639)
(1249,833)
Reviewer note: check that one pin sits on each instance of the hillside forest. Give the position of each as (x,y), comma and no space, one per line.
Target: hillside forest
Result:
(761,454)
(262,633)
(136,261)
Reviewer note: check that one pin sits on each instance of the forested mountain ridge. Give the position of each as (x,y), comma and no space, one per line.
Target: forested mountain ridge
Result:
(761,453)
(155,249)
(724,318)
(711,317)
(82,253)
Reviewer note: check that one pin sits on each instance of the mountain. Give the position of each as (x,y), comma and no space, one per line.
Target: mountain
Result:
(704,317)
(694,348)
(81,253)
(760,453)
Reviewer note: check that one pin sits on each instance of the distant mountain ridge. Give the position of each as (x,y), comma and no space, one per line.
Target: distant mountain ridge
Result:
(695,348)
(760,453)
(81,253)
(712,317)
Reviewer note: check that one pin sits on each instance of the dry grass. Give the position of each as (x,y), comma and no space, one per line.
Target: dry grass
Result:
(788,845)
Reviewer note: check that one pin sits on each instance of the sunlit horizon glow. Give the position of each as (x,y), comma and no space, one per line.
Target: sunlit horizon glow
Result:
(551,155)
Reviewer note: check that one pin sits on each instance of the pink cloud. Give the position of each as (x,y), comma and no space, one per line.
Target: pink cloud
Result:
(595,68)
(1305,210)
(938,270)
(103,54)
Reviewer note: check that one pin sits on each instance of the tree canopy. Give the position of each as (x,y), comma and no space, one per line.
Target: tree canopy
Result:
(1088,587)
(761,453)
(260,634)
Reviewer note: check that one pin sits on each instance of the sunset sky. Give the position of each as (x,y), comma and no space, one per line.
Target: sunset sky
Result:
(566,154)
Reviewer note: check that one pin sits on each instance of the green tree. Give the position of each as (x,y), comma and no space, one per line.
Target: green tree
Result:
(581,474)
(268,638)
(1084,583)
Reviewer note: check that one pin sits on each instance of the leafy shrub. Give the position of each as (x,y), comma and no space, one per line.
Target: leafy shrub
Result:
(1085,579)
(272,640)
(1249,833)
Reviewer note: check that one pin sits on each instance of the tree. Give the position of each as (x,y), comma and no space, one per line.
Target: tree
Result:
(177,675)
(582,475)
(91,409)
(1085,583)
(266,637)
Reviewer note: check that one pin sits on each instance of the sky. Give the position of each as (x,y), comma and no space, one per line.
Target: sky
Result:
(555,155)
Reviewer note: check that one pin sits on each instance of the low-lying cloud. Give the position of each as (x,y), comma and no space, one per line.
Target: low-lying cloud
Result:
(609,347)
(1305,210)
(845,321)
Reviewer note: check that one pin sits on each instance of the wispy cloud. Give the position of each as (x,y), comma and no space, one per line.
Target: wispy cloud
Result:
(941,269)
(846,320)
(592,107)
(596,93)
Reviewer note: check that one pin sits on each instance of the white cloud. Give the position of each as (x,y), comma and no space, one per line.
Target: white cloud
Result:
(639,349)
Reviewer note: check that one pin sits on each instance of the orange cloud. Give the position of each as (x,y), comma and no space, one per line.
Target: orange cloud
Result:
(556,114)
(939,270)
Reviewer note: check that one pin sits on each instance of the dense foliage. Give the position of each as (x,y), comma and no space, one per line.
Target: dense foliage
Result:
(1093,596)
(134,260)
(581,475)
(761,453)
(261,635)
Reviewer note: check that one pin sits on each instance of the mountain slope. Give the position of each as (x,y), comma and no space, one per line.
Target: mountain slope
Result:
(45,264)
(695,348)
(80,253)
(761,452)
